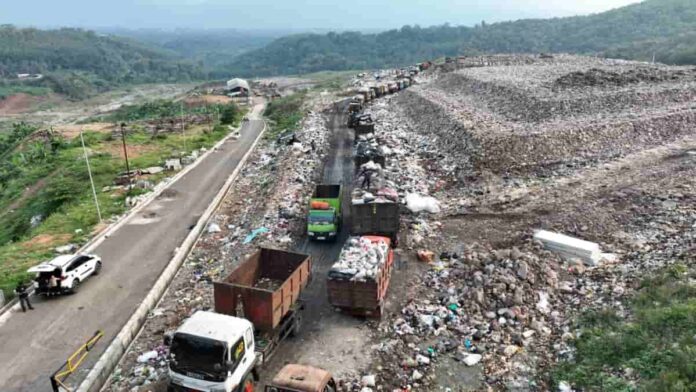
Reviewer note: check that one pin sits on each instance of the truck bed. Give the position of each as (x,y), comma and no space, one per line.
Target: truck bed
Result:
(269,284)
(362,298)
(375,219)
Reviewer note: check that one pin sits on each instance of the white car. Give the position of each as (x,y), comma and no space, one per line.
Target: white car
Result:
(65,273)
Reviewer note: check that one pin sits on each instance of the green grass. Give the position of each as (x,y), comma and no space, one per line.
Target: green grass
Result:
(6,91)
(658,342)
(161,109)
(59,190)
(285,113)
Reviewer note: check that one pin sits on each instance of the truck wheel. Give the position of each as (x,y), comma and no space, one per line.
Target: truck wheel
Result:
(247,385)
(296,328)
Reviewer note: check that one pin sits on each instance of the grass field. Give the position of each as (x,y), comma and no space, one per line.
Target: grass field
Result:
(6,91)
(45,178)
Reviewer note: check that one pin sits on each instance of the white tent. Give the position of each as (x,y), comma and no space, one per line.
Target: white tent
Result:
(237,84)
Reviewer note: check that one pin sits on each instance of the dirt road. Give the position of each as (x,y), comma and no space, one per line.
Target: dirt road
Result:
(328,339)
(36,343)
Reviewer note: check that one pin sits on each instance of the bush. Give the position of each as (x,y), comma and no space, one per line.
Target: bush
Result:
(658,342)
(230,114)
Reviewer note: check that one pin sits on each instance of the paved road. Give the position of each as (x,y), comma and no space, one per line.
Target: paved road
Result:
(34,344)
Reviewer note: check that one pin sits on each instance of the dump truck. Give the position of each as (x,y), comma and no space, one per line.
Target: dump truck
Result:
(299,378)
(363,128)
(362,293)
(223,350)
(366,93)
(325,214)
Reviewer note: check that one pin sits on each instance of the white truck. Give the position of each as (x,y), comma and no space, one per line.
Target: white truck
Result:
(213,352)
(220,352)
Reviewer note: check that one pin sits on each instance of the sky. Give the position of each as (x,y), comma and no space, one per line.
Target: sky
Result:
(286,14)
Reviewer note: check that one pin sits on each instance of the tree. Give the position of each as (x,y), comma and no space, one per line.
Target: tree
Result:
(229,114)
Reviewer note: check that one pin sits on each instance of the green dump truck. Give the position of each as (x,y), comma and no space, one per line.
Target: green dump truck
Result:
(325,215)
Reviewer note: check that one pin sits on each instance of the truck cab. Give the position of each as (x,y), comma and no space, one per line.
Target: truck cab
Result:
(298,378)
(212,352)
(324,217)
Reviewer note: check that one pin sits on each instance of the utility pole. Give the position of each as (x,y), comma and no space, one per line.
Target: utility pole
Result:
(125,154)
(91,180)
(183,125)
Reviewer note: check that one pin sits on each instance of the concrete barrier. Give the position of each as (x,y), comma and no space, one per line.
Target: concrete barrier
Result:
(101,371)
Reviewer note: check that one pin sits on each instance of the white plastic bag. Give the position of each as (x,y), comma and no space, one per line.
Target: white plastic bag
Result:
(417,203)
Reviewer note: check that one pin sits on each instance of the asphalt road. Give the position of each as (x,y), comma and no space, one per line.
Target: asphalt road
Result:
(34,344)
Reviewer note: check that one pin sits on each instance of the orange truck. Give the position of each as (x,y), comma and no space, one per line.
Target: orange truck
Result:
(363,297)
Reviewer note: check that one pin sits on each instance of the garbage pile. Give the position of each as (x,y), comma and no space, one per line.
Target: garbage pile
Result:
(509,121)
(602,77)
(478,304)
(360,260)
(262,208)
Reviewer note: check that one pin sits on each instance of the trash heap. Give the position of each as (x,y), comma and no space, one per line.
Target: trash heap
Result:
(511,120)
(360,260)
(416,169)
(499,306)
(262,208)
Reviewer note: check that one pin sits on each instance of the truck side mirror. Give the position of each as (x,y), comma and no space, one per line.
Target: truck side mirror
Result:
(167,339)
(229,365)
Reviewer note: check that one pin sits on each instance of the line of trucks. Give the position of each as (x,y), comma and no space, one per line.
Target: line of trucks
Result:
(258,304)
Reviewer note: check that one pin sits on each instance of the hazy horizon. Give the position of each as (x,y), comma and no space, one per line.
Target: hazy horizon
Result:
(282,16)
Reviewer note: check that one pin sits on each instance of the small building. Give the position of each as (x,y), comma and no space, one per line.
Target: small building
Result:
(237,88)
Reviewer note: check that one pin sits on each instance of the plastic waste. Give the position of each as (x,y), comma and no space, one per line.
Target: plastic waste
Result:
(417,203)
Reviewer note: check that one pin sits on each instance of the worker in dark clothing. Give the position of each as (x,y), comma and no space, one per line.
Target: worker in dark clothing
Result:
(366,173)
(314,146)
(23,295)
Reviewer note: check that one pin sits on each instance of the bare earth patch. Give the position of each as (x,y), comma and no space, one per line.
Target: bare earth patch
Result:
(73,130)
(18,104)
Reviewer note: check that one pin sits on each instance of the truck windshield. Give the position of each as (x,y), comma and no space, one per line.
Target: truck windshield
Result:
(198,357)
(321,218)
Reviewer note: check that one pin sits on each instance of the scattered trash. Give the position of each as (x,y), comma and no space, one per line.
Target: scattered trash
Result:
(254,234)
(416,203)
(146,357)
(426,256)
(472,359)
(65,249)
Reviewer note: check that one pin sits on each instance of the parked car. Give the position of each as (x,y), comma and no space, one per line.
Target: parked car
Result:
(65,273)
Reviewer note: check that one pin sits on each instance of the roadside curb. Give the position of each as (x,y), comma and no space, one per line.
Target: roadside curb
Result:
(99,374)
(105,233)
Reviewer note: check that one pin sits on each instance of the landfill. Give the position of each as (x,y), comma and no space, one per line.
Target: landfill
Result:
(488,150)
(360,260)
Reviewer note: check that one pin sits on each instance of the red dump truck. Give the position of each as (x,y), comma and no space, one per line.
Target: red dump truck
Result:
(362,295)
(269,284)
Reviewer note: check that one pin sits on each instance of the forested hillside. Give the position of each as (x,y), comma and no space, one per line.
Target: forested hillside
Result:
(77,62)
(665,28)
(213,48)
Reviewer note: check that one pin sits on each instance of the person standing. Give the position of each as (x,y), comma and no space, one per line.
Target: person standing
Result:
(23,295)
(366,174)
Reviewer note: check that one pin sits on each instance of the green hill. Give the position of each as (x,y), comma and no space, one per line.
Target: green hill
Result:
(211,47)
(77,62)
(665,28)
